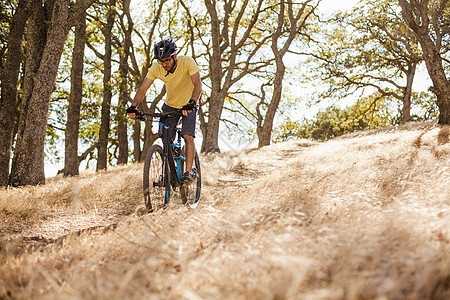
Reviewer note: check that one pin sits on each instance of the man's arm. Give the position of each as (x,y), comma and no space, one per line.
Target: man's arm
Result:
(197,82)
(140,94)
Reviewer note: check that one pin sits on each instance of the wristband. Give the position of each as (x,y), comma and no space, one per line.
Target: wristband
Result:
(190,106)
(132,109)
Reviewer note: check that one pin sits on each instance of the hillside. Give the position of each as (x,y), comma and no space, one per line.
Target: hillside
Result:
(362,216)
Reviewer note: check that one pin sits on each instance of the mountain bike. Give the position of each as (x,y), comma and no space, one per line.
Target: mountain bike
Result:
(164,167)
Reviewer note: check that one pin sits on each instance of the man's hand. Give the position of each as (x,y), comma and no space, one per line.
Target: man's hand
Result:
(132,112)
(188,107)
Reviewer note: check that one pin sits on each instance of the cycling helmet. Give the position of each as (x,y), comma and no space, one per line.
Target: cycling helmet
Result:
(164,49)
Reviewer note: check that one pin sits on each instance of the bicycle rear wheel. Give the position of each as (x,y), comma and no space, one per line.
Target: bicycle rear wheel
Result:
(155,180)
(190,193)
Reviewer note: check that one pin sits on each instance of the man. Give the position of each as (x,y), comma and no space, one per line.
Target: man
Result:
(181,76)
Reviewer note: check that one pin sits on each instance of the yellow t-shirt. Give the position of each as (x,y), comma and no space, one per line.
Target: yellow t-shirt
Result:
(179,85)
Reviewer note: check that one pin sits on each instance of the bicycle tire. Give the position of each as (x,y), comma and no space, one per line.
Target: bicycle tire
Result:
(155,180)
(190,194)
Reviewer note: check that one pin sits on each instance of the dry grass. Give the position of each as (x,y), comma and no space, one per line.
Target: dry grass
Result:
(364,216)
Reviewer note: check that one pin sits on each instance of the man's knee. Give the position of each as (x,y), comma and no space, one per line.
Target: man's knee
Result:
(188,138)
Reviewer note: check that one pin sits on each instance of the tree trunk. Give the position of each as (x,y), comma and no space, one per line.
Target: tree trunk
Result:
(102,160)
(210,142)
(123,95)
(265,131)
(47,32)
(121,116)
(9,81)
(36,38)
(406,108)
(28,163)
(297,21)
(265,134)
(417,16)
(137,141)
(234,51)
(72,162)
(211,139)
(441,85)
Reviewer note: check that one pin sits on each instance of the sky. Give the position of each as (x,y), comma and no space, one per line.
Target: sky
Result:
(330,6)
(325,6)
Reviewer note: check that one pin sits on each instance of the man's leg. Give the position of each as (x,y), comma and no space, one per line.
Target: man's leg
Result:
(190,151)
(188,134)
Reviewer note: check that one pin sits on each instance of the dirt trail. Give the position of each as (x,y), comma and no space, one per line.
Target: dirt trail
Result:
(363,216)
(223,174)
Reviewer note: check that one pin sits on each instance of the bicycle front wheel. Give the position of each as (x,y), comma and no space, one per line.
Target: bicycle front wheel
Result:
(190,193)
(155,179)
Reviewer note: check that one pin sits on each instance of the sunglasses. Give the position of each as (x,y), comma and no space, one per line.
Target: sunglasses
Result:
(165,61)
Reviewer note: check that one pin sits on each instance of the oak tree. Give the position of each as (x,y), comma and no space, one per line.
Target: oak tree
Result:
(47,31)
(430,22)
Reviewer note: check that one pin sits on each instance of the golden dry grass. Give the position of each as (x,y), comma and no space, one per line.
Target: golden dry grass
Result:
(364,216)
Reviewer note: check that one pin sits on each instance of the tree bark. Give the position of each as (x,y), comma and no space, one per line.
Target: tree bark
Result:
(210,140)
(28,163)
(228,44)
(265,133)
(47,32)
(139,74)
(417,16)
(297,20)
(102,160)
(72,162)
(406,108)
(123,94)
(137,141)
(9,81)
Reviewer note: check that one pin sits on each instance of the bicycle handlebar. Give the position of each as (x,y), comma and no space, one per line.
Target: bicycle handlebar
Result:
(142,115)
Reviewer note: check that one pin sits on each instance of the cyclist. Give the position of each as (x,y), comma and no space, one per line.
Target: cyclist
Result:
(181,77)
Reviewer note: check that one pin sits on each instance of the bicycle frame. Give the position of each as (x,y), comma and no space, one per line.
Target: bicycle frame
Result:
(169,147)
(169,159)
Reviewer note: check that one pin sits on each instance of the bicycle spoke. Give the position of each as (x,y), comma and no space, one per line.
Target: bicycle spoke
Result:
(154,192)
(190,193)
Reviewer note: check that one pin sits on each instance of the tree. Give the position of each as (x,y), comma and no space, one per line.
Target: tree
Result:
(333,121)
(291,21)
(9,75)
(71,159)
(380,21)
(430,22)
(124,52)
(102,159)
(156,20)
(232,54)
(47,33)
(370,49)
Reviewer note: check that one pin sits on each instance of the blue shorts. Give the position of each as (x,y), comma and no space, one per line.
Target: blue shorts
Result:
(187,122)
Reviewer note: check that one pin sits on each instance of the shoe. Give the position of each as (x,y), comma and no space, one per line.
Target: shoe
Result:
(188,177)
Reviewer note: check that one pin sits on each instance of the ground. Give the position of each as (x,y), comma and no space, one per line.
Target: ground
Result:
(365,215)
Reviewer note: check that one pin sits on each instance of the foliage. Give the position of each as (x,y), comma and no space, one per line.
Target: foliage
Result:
(425,107)
(364,50)
(367,113)
(368,49)
(6,11)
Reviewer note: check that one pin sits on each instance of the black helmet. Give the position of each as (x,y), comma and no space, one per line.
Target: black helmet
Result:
(164,49)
